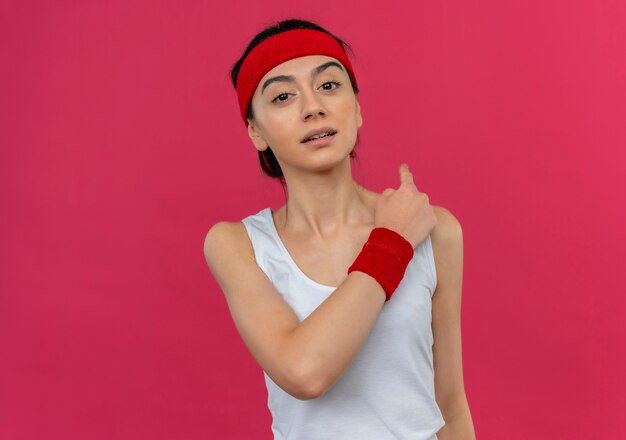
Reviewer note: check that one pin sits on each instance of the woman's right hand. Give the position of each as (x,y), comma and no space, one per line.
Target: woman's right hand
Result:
(405,210)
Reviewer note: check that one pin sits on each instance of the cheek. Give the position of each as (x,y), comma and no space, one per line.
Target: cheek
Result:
(351,123)
(277,132)
(351,118)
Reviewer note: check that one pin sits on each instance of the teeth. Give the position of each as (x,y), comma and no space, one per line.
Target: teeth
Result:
(319,136)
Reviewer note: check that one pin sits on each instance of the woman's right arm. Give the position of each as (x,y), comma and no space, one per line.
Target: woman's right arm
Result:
(303,358)
(306,358)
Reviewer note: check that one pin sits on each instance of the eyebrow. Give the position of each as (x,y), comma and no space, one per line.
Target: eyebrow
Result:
(290,78)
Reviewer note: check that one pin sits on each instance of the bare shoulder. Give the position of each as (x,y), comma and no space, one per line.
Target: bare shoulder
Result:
(448,229)
(447,242)
(226,236)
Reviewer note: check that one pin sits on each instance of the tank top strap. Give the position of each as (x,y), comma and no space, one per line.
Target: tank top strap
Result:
(262,238)
(427,246)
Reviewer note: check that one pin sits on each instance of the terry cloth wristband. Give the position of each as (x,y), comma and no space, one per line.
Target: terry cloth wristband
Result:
(385,257)
(278,49)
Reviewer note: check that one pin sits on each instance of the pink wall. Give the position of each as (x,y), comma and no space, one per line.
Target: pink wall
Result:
(122,144)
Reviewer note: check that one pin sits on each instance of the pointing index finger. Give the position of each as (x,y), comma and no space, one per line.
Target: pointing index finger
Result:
(405,175)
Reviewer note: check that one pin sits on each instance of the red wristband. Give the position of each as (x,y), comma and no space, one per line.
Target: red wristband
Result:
(385,256)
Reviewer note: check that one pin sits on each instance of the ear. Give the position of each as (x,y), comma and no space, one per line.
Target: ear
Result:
(359,118)
(258,141)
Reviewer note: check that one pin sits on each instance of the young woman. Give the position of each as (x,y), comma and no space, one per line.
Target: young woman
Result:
(348,299)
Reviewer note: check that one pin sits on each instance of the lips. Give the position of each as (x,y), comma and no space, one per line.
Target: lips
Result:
(317,131)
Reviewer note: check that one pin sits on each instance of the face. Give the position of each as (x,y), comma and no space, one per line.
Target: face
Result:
(286,110)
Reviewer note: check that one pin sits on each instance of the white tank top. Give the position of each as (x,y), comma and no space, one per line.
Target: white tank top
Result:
(387,391)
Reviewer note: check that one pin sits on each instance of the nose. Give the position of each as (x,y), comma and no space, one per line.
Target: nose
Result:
(312,106)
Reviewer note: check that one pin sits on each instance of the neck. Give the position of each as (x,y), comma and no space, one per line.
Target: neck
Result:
(324,204)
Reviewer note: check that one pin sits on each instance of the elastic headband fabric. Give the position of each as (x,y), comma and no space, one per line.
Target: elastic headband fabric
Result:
(278,49)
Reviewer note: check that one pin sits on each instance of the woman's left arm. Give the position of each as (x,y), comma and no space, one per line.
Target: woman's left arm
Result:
(447,241)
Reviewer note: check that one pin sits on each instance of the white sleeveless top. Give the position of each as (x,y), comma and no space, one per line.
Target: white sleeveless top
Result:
(387,391)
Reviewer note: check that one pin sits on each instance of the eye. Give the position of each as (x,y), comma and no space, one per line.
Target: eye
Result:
(336,83)
(279,95)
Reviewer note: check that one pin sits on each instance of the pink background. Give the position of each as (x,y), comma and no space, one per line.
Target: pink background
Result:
(122,144)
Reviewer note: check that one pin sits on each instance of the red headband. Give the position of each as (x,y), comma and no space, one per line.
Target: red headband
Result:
(278,49)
